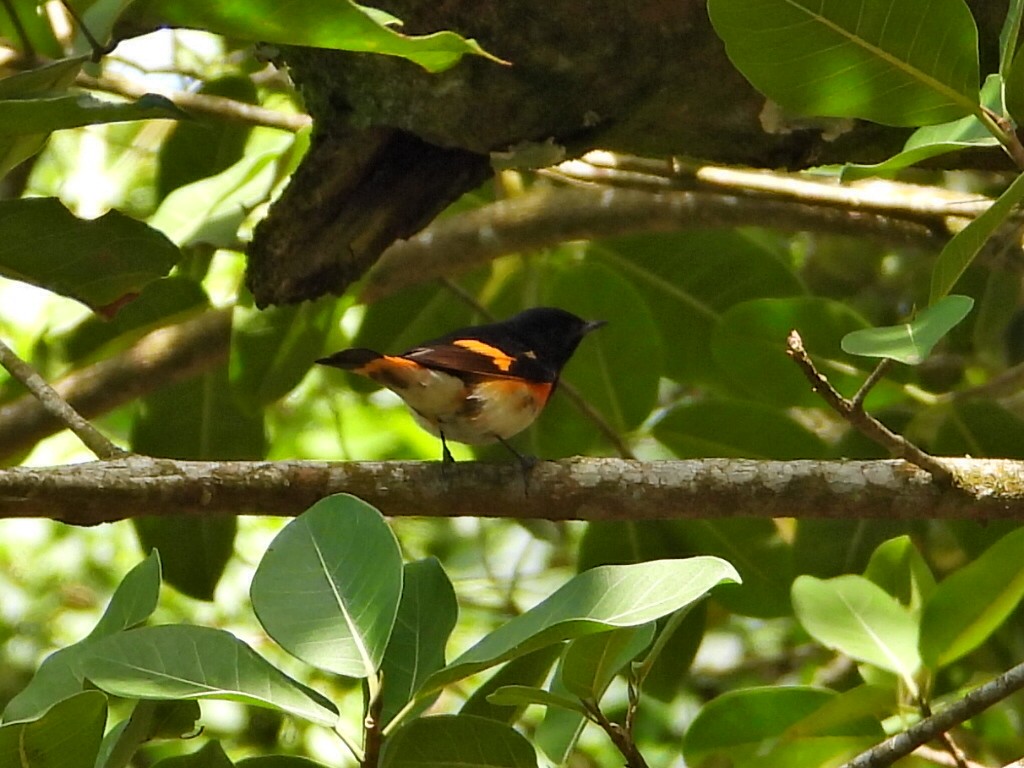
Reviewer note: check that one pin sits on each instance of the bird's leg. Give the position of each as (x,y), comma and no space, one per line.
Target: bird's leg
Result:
(526,463)
(446,455)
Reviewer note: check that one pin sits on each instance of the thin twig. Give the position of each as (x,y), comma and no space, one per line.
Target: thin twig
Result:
(939,757)
(876,376)
(94,440)
(98,50)
(868,425)
(19,29)
(974,703)
(201,103)
(621,738)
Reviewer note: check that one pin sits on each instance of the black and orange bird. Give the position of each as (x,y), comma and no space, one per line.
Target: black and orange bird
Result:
(481,384)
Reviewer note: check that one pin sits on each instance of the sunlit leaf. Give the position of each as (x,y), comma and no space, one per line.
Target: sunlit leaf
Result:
(67,736)
(329,586)
(857,618)
(347,26)
(896,62)
(971,603)
(604,598)
(113,256)
(911,342)
(177,661)
(448,741)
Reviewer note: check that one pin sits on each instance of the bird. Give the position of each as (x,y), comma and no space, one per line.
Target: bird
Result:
(480,384)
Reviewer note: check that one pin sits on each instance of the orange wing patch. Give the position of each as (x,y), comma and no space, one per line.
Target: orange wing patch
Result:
(392,371)
(500,359)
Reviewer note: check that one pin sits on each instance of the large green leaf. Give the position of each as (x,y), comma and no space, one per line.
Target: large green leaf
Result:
(687,279)
(750,342)
(457,741)
(148,720)
(60,675)
(346,26)
(271,349)
(48,78)
(67,736)
(736,429)
(210,210)
(113,257)
(329,586)
(859,619)
(177,661)
(426,617)
(898,62)
(911,342)
(969,605)
(750,725)
(601,599)
(934,140)
(755,549)
(196,419)
(960,251)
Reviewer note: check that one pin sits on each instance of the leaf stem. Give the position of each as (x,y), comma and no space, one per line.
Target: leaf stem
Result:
(1001,128)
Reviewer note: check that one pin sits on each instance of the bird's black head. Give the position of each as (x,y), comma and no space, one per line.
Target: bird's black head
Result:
(552,333)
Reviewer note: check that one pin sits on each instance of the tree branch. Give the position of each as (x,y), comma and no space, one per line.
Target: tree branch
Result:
(974,703)
(570,489)
(203,104)
(544,217)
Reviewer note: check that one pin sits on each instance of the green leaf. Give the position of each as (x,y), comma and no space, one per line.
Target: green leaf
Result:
(960,251)
(598,600)
(749,347)
(346,26)
(149,720)
(426,617)
(55,76)
(679,277)
(210,210)
(898,567)
(669,673)
(749,722)
(897,62)
(160,303)
(857,618)
(19,117)
(196,419)
(558,732)
(591,662)
(60,675)
(527,671)
(736,429)
(272,349)
(457,741)
(67,736)
(28,23)
(972,603)
(329,586)
(521,696)
(176,661)
(278,761)
(911,342)
(757,551)
(1014,86)
(114,256)
(210,755)
(935,140)
(197,149)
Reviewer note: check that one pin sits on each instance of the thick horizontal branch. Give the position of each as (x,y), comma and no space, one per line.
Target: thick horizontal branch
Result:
(570,489)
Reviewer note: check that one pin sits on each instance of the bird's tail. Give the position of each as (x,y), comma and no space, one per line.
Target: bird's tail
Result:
(351,359)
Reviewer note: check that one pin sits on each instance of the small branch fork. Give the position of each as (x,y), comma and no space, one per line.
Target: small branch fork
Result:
(852,410)
(57,406)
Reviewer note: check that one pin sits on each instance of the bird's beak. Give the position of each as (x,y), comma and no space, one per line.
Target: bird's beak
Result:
(593,325)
